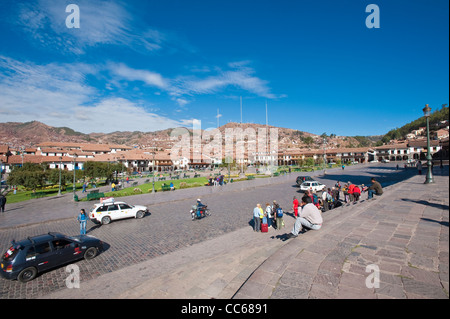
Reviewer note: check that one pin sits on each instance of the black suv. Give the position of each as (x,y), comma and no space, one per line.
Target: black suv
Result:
(302,179)
(28,257)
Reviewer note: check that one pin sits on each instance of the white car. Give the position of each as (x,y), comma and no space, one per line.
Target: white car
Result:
(314,185)
(110,210)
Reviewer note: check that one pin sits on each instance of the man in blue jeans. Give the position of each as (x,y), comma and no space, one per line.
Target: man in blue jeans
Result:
(375,188)
(309,216)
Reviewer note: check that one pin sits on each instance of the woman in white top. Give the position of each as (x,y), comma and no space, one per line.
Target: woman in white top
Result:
(269,214)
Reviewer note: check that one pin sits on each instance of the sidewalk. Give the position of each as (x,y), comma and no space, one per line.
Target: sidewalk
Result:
(405,233)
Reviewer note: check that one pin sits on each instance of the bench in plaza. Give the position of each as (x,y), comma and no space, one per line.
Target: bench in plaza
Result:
(94,196)
(165,188)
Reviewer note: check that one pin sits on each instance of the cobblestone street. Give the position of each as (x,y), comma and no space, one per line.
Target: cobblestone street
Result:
(168,228)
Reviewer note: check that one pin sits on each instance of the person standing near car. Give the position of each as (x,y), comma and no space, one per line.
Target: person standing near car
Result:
(82,219)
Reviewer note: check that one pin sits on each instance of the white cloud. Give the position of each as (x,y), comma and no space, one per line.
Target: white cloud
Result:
(241,76)
(56,95)
(148,77)
(118,114)
(101,22)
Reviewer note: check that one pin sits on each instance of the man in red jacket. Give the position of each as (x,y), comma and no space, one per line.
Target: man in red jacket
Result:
(351,188)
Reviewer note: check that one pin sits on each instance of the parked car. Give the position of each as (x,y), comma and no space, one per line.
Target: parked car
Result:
(25,259)
(314,185)
(111,210)
(384,160)
(301,179)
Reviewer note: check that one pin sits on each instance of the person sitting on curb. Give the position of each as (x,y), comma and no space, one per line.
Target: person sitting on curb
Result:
(375,188)
(308,216)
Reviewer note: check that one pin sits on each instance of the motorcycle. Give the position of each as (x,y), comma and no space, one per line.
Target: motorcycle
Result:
(204,211)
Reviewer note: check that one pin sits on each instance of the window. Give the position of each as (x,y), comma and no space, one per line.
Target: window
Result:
(11,253)
(30,253)
(102,209)
(42,248)
(113,208)
(60,243)
(124,206)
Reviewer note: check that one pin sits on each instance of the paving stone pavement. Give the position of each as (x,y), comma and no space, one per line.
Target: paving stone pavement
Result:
(167,229)
(404,234)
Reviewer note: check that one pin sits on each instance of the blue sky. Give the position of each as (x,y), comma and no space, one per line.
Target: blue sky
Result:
(150,65)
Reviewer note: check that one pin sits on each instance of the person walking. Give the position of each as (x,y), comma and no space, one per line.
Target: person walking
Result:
(2,203)
(419,167)
(82,219)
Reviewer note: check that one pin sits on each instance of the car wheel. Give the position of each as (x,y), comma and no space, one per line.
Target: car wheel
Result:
(90,253)
(140,214)
(106,220)
(27,274)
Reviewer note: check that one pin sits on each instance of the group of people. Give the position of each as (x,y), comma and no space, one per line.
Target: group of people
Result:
(307,215)
(271,216)
(308,211)
(330,197)
(218,180)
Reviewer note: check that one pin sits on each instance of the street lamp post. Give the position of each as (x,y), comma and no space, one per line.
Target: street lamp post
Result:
(74,174)
(153,171)
(60,163)
(429,179)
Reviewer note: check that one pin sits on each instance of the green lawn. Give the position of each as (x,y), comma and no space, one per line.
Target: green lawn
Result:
(23,195)
(148,187)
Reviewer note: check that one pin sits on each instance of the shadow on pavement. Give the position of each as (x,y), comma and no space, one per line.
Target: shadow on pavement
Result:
(427,203)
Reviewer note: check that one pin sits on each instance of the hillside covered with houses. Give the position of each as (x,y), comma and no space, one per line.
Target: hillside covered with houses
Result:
(158,156)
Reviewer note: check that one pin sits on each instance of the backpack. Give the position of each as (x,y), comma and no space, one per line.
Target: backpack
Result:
(315,199)
(279,212)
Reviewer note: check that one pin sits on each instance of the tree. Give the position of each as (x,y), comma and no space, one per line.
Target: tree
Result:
(309,161)
(102,170)
(66,177)
(29,176)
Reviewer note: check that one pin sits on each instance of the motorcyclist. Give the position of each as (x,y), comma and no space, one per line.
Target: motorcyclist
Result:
(200,210)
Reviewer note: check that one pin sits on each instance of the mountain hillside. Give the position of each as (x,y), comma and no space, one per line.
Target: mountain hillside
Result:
(29,134)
